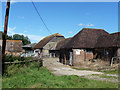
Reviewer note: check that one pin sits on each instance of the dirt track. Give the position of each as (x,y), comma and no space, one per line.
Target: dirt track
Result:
(61,69)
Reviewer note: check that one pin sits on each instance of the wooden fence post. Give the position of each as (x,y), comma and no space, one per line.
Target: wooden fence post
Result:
(38,64)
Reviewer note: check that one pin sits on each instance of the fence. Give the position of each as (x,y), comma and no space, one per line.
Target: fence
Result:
(21,61)
(38,60)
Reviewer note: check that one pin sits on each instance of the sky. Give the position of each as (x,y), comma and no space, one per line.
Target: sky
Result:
(66,18)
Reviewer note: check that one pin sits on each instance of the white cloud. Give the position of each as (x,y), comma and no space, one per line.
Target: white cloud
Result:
(33,38)
(13,1)
(11,30)
(90,25)
(25,31)
(80,24)
(70,32)
(21,17)
(86,25)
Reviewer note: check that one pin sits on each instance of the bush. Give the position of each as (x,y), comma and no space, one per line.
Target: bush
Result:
(13,69)
(12,58)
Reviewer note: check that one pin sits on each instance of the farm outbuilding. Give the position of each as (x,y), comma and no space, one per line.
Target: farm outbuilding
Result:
(48,44)
(60,52)
(108,46)
(28,49)
(13,47)
(80,47)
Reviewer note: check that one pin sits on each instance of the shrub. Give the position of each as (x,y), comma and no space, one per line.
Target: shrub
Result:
(12,58)
(12,69)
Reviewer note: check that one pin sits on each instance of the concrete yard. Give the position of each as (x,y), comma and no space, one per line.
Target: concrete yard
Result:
(59,69)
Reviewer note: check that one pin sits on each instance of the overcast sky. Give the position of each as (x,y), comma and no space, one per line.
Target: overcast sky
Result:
(66,18)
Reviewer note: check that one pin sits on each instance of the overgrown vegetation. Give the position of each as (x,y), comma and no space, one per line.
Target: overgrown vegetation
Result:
(11,69)
(26,75)
(12,58)
(29,77)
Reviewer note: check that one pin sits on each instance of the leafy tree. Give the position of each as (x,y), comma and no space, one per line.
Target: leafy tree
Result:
(25,39)
(9,37)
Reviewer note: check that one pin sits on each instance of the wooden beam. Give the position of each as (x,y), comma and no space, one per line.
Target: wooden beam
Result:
(65,59)
(5,34)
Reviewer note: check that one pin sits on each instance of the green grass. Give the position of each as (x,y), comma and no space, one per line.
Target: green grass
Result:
(110,71)
(31,78)
(82,68)
(115,71)
(104,76)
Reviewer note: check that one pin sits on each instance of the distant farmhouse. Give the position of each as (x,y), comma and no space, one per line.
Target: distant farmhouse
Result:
(28,49)
(47,45)
(88,44)
(12,46)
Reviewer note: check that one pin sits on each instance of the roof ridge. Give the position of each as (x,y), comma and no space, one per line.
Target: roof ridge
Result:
(56,34)
(93,28)
(115,33)
(15,40)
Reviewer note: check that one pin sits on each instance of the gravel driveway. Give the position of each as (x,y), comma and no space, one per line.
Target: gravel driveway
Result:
(61,69)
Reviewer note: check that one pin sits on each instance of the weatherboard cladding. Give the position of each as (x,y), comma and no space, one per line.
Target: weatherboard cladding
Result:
(86,38)
(50,45)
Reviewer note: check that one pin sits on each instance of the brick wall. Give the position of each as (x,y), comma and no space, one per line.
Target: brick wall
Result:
(89,56)
(80,56)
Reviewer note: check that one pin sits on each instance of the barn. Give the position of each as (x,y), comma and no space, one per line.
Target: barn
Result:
(47,45)
(108,46)
(81,47)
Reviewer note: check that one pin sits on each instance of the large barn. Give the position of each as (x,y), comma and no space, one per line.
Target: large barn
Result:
(80,47)
(48,44)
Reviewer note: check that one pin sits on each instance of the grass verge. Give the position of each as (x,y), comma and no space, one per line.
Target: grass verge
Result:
(31,78)
(110,71)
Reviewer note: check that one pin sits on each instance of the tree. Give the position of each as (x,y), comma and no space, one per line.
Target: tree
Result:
(9,37)
(25,39)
